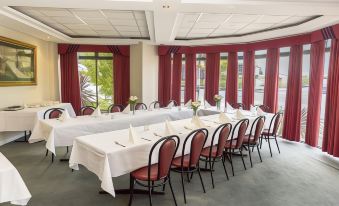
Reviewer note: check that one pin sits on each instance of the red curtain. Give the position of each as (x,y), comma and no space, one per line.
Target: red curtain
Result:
(121,74)
(164,79)
(292,116)
(232,78)
(190,77)
(212,76)
(271,79)
(248,79)
(331,129)
(70,86)
(176,77)
(315,93)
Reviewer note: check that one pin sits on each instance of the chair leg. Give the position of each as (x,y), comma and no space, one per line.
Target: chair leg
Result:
(231,160)
(52,157)
(67,150)
(211,172)
(202,183)
(259,152)
(261,141)
(269,145)
(276,141)
(131,190)
(163,187)
(249,153)
(150,195)
(170,183)
(188,177)
(183,186)
(223,163)
(242,158)
(46,152)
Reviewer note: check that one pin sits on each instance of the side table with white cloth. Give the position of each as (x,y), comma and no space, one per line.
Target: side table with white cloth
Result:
(12,187)
(101,154)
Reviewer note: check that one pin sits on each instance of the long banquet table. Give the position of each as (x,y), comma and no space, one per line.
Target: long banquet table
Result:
(12,187)
(25,119)
(100,155)
(58,133)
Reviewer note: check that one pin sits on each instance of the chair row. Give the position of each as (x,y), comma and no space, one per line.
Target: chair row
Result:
(224,143)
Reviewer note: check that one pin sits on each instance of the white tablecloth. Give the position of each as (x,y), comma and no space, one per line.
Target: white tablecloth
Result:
(100,155)
(25,120)
(57,133)
(12,187)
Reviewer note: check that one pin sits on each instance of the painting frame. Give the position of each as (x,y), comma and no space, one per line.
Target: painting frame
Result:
(15,44)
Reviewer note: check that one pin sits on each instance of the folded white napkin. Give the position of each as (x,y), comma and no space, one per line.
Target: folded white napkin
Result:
(207,105)
(197,122)
(229,107)
(133,137)
(260,112)
(127,109)
(253,110)
(188,104)
(170,105)
(169,129)
(96,112)
(223,118)
(239,114)
(64,116)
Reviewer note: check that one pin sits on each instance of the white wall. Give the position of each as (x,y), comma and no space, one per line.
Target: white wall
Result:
(47,79)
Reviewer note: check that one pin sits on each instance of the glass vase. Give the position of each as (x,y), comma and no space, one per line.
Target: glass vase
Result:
(218,105)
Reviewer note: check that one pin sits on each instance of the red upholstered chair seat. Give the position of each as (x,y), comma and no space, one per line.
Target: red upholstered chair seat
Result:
(231,145)
(177,161)
(142,173)
(266,133)
(249,139)
(206,151)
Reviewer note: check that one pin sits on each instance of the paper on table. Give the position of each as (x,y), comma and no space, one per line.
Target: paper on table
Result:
(169,129)
(207,105)
(239,114)
(126,110)
(133,137)
(223,118)
(188,104)
(64,116)
(260,112)
(197,122)
(97,112)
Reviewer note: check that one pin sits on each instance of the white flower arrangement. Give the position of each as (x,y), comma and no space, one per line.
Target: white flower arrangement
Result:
(132,99)
(195,105)
(217,98)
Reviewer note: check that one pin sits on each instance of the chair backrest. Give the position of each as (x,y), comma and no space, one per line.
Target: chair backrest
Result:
(275,123)
(53,113)
(257,127)
(140,106)
(167,150)
(115,108)
(238,105)
(175,103)
(154,104)
(241,128)
(197,141)
(224,132)
(263,107)
(87,110)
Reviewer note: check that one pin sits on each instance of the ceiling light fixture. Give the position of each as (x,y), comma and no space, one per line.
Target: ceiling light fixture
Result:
(166,6)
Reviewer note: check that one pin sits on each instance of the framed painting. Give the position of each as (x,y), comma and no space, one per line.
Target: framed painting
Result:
(17,63)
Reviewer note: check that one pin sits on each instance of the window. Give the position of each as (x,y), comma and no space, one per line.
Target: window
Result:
(240,69)
(182,91)
(283,75)
(96,79)
(223,77)
(259,76)
(201,74)
(305,88)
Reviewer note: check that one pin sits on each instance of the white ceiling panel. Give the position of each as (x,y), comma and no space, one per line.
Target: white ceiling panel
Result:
(56,12)
(242,18)
(96,21)
(88,13)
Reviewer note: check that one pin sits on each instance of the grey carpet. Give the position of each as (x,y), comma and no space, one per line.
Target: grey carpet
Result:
(291,178)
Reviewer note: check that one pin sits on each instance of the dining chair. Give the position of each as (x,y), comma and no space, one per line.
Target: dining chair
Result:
(263,107)
(237,105)
(158,174)
(251,140)
(115,108)
(53,113)
(140,106)
(236,141)
(188,162)
(87,110)
(272,131)
(215,151)
(175,103)
(154,105)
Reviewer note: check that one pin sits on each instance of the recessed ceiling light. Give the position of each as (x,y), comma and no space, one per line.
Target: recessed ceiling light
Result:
(166,6)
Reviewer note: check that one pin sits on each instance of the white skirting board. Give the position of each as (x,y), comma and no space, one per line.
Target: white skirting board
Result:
(6,137)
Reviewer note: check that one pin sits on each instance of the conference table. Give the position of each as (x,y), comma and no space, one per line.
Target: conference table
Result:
(12,187)
(59,133)
(101,154)
(25,119)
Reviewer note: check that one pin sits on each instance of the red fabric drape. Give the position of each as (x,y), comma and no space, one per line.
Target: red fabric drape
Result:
(212,76)
(232,78)
(70,86)
(190,77)
(315,93)
(292,114)
(248,79)
(121,74)
(164,79)
(331,129)
(271,79)
(176,78)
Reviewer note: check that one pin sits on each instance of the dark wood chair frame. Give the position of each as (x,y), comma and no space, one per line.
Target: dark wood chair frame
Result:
(109,109)
(142,106)
(272,135)
(85,108)
(153,104)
